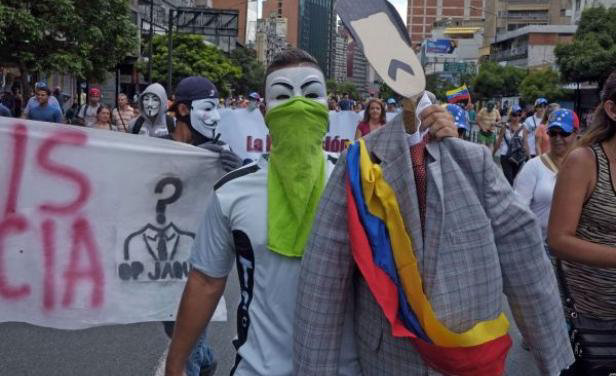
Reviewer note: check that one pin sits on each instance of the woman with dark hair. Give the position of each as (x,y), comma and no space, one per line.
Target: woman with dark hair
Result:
(103,118)
(374,118)
(582,225)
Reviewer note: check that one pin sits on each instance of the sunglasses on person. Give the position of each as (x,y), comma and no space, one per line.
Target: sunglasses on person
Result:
(553,132)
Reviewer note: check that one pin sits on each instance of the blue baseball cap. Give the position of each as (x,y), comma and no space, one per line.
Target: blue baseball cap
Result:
(254,95)
(391,101)
(459,115)
(541,102)
(516,109)
(564,119)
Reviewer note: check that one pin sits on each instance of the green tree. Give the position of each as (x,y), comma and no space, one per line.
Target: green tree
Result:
(193,57)
(436,84)
(592,54)
(253,71)
(332,86)
(494,80)
(541,83)
(84,37)
(349,88)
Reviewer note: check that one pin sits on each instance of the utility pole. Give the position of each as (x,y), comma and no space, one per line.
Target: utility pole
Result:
(169,53)
(150,42)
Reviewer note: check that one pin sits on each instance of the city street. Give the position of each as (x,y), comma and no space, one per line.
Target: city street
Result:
(137,349)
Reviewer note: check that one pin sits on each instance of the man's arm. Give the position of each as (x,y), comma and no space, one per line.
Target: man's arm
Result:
(528,276)
(324,283)
(199,301)
(212,260)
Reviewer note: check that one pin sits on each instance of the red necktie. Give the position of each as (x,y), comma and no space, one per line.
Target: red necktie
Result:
(419,170)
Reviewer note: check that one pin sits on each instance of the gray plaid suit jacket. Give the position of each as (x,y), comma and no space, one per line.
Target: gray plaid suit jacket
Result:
(479,243)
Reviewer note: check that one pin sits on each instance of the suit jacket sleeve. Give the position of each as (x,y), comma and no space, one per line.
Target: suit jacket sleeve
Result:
(324,283)
(528,276)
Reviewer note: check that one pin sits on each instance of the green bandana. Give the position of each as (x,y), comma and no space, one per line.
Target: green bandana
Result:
(296,175)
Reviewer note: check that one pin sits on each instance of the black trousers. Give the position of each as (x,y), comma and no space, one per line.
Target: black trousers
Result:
(510,169)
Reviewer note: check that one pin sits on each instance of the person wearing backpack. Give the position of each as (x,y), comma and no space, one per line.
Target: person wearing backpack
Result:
(512,144)
(153,120)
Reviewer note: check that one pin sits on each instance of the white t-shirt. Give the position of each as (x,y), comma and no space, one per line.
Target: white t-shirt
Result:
(88,114)
(535,186)
(531,124)
(235,231)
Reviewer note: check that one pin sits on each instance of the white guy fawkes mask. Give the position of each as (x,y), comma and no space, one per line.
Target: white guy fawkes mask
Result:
(151,104)
(204,116)
(296,81)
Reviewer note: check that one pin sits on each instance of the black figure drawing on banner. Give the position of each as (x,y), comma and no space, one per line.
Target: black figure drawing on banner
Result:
(158,252)
(370,23)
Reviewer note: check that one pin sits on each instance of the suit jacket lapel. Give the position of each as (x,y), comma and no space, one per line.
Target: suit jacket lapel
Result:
(435,207)
(391,148)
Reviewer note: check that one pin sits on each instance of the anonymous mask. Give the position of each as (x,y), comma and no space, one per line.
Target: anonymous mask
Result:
(298,81)
(151,104)
(204,116)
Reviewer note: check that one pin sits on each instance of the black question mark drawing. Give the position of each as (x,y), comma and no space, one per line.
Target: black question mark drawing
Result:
(161,205)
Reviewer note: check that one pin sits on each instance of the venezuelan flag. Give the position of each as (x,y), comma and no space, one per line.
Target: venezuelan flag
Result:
(458,94)
(380,247)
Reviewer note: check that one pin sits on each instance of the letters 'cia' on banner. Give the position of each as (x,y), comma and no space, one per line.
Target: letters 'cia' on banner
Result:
(96,227)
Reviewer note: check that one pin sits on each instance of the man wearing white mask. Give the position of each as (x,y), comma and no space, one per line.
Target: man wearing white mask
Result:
(153,120)
(196,112)
(259,218)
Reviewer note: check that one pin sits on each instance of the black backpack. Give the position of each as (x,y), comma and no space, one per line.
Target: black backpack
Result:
(141,120)
(515,147)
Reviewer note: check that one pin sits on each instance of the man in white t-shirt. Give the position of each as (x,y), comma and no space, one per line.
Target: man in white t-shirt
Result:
(86,116)
(532,123)
(243,226)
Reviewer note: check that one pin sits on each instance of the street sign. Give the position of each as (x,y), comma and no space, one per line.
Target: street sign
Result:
(460,68)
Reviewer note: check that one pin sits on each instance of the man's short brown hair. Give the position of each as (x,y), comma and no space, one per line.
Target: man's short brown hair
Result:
(289,57)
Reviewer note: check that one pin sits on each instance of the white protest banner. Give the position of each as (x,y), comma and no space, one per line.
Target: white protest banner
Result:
(96,227)
(245,132)
(247,135)
(342,126)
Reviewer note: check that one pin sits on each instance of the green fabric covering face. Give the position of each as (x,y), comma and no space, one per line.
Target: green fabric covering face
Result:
(296,172)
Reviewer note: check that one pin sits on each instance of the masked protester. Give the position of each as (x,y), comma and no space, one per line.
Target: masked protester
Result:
(196,112)
(153,120)
(258,219)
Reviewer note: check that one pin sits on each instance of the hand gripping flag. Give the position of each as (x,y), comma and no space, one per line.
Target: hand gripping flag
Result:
(383,252)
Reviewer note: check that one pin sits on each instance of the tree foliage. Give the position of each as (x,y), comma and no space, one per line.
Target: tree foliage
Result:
(592,54)
(494,80)
(83,37)
(541,83)
(340,88)
(253,71)
(438,85)
(193,57)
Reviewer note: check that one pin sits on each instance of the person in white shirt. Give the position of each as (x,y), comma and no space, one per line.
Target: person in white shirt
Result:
(258,219)
(532,123)
(535,182)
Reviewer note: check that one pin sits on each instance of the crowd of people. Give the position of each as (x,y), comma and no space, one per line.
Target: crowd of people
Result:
(386,259)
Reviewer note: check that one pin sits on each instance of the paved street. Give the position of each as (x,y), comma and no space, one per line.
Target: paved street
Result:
(134,350)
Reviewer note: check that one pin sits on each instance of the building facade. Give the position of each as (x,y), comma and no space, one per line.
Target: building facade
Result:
(271,37)
(422,14)
(311,26)
(508,15)
(531,46)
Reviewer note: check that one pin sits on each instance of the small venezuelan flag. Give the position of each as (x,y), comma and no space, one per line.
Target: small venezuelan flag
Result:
(380,246)
(458,94)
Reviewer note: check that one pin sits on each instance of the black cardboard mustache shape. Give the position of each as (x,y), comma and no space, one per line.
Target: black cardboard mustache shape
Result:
(368,17)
